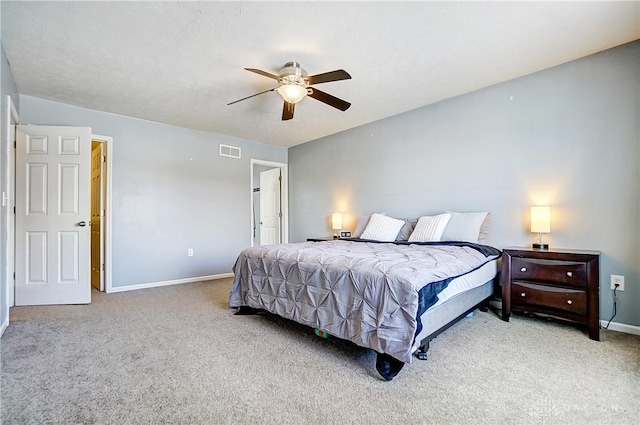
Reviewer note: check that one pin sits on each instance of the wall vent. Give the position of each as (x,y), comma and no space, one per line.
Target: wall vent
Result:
(230,151)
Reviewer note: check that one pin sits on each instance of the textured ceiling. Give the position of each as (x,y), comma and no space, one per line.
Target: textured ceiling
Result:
(182,62)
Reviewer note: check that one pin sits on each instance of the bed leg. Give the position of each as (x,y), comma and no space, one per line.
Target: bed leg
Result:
(484,307)
(245,311)
(421,353)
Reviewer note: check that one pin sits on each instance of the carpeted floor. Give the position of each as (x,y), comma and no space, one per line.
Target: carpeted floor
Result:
(178,355)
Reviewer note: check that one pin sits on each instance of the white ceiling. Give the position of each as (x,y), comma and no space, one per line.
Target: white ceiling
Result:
(182,62)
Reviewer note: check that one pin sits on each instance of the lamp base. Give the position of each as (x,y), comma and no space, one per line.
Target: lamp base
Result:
(540,246)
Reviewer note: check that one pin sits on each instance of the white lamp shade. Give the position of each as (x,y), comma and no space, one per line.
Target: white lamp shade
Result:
(541,219)
(336,221)
(292,93)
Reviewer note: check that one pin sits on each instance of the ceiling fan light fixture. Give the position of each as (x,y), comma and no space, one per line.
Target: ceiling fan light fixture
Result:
(292,93)
(294,84)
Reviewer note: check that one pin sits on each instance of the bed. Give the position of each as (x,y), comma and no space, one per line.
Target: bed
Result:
(390,296)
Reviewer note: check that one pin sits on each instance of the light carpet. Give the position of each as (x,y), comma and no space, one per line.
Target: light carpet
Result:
(178,355)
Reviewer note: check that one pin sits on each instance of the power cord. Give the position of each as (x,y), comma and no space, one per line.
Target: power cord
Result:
(615,305)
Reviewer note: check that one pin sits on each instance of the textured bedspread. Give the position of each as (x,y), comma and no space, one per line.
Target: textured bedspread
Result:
(364,292)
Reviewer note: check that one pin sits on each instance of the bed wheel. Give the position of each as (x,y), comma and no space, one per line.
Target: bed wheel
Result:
(387,366)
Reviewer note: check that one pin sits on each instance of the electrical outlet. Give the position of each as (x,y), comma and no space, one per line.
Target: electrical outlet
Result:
(617,280)
(190,252)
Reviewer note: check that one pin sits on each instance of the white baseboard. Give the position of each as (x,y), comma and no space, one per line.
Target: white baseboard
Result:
(621,327)
(4,326)
(169,282)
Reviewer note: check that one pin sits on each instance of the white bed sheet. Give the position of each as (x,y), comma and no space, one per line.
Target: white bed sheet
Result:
(469,281)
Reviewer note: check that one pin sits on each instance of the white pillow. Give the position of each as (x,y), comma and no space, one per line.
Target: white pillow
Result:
(363,220)
(430,228)
(382,228)
(464,226)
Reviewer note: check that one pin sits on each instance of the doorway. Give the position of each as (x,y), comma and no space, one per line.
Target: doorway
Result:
(97,214)
(269,203)
(101,176)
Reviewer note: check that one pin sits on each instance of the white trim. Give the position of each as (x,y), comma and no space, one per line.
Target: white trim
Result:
(231,149)
(4,326)
(170,282)
(621,327)
(284,193)
(108,264)
(12,119)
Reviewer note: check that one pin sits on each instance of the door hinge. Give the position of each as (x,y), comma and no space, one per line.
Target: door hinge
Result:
(14,210)
(280,214)
(280,178)
(14,275)
(102,267)
(15,144)
(104,158)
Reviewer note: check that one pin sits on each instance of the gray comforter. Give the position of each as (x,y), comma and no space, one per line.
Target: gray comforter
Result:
(364,292)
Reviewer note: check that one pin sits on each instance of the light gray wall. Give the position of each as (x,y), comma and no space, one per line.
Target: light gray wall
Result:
(568,137)
(171,192)
(8,87)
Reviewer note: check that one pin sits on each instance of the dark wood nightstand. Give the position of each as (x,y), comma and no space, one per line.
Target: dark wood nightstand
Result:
(557,282)
(328,238)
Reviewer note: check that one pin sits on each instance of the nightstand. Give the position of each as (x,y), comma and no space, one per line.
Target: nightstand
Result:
(328,238)
(557,282)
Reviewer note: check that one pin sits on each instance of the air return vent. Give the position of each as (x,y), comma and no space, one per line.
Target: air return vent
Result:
(230,151)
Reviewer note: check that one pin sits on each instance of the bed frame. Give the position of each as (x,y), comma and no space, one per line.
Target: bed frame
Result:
(441,317)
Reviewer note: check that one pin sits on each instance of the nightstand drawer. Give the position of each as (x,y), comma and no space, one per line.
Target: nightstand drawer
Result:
(565,299)
(549,271)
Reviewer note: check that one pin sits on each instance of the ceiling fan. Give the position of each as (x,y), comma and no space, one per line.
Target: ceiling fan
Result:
(295,85)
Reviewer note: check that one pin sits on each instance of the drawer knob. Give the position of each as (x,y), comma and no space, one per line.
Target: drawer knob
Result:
(569,274)
(524,269)
(522,294)
(569,302)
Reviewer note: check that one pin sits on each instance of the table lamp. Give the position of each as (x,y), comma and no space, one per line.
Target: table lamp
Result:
(540,223)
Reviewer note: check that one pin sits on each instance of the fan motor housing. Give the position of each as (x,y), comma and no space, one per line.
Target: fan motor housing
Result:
(292,73)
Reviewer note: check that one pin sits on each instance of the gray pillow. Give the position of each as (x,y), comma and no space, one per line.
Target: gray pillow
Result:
(363,220)
(407,229)
(484,229)
(467,227)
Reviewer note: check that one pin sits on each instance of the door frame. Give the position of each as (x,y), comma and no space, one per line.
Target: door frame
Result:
(284,196)
(13,119)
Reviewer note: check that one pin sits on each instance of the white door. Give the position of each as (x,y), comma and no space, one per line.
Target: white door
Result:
(53,175)
(97,213)
(270,209)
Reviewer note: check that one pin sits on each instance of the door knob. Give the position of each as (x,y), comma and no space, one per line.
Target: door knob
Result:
(82,223)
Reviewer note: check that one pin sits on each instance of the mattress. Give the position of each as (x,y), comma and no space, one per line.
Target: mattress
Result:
(462,294)
(468,281)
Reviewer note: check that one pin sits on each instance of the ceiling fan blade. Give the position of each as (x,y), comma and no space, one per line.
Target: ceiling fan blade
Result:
(266,74)
(248,97)
(329,100)
(337,75)
(287,110)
